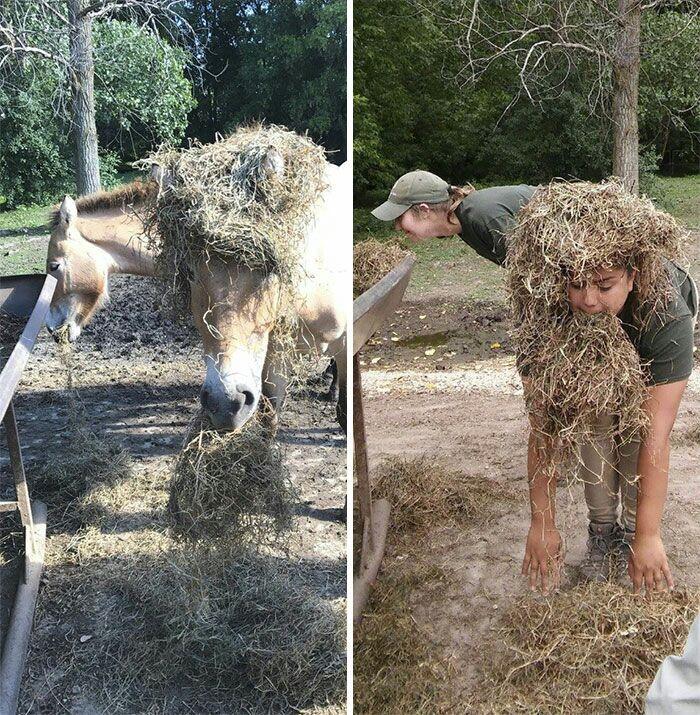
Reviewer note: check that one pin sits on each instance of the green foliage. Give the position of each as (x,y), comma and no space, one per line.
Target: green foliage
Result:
(284,62)
(142,96)
(411,112)
(34,158)
(142,99)
(669,94)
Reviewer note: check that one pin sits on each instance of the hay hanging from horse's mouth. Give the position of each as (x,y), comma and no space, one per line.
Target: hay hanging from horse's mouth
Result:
(233,485)
(582,368)
(246,199)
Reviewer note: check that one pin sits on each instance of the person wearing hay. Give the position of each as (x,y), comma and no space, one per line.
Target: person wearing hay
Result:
(604,324)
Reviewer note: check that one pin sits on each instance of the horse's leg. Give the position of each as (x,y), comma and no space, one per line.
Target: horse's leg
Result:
(339,352)
(332,369)
(274,386)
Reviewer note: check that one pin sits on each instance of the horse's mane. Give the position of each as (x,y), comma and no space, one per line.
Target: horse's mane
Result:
(133,194)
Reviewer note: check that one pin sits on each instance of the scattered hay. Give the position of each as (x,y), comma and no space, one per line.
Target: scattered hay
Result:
(593,649)
(371,261)
(87,459)
(245,625)
(210,629)
(396,669)
(232,484)
(423,493)
(563,233)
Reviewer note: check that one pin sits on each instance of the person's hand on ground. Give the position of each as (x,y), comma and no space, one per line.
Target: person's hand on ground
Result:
(648,565)
(543,558)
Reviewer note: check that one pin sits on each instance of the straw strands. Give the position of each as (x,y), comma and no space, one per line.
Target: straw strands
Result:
(371,261)
(581,368)
(593,649)
(246,198)
(233,485)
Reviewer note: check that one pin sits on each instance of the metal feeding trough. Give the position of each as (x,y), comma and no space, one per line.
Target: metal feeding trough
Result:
(370,310)
(24,300)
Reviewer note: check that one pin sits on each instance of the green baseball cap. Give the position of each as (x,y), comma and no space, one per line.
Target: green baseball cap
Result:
(416,187)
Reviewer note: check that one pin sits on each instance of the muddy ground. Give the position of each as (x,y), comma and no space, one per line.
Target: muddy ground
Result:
(440,381)
(138,375)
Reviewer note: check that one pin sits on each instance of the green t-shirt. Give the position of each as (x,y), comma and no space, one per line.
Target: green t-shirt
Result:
(487,215)
(665,345)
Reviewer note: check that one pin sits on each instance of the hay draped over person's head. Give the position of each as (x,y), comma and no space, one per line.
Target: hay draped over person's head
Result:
(246,198)
(568,230)
(579,368)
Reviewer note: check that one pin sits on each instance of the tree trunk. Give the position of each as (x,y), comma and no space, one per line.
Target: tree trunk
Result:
(626,95)
(87,166)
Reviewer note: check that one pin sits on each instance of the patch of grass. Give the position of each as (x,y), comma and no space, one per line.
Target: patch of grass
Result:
(30,217)
(683,194)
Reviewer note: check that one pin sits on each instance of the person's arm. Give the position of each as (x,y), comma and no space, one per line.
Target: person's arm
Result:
(648,564)
(543,548)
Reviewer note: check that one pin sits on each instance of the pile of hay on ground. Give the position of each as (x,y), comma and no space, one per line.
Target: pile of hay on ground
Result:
(243,625)
(423,493)
(396,669)
(232,484)
(245,198)
(371,261)
(566,231)
(593,649)
(192,628)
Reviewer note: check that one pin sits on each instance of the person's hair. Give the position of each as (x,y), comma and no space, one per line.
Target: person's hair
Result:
(457,193)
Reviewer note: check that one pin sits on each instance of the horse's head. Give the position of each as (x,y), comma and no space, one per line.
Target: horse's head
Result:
(234,310)
(80,270)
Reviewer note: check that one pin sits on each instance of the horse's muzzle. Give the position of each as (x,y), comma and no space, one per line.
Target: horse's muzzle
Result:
(229,411)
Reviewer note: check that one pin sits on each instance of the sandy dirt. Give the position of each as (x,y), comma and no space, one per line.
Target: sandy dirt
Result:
(461,405)
(138,376)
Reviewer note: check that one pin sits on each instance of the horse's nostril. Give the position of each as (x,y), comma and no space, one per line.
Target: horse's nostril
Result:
(249,397)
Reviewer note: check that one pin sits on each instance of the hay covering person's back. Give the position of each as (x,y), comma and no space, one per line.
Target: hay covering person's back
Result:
(604,331)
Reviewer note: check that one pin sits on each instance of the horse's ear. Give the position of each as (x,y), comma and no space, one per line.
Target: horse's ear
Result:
(273,163)
(162,176)
(68,210)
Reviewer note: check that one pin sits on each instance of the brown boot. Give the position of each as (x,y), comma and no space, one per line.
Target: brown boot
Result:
(596,565)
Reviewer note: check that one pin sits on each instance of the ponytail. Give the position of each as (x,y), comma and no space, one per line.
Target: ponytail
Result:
(457,194)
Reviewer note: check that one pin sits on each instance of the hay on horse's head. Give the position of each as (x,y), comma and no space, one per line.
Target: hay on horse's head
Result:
(246,198)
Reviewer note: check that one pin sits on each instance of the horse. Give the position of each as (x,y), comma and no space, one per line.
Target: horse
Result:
(234,308)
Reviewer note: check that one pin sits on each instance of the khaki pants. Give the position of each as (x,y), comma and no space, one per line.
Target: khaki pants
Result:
(608,470)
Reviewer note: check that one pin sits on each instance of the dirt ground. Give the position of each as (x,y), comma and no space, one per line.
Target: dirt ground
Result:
(138,376)
(440,381)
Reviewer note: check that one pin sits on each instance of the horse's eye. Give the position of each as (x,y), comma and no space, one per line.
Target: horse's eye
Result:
(54,265)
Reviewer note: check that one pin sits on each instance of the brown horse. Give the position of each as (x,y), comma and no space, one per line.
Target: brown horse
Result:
(234,308)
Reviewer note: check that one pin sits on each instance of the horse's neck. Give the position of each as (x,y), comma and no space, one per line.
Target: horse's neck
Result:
(120,237)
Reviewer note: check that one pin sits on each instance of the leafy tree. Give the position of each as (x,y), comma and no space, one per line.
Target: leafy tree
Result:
(142,95)
(282,61)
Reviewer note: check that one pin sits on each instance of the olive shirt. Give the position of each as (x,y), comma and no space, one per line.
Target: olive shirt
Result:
(665,345)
